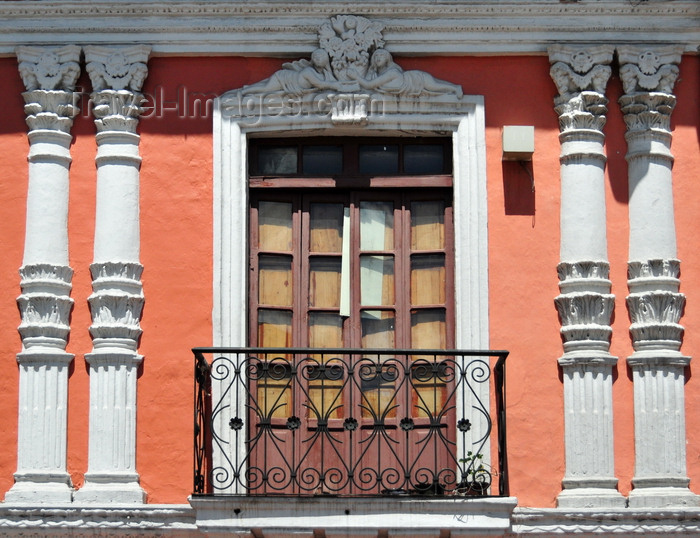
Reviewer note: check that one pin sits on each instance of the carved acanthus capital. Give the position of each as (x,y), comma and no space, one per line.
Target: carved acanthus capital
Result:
(45,306)
(46,278)
(646,70)
(117,68)
(584,276)
(116,304)
(648,111)
(578,69)
(117,110)
(583,270)
(50,110)
(659,268)
(585,308)
(47,68)
(585,319)
(655,316)
(581,111)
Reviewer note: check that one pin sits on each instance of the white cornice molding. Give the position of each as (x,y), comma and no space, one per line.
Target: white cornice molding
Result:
(593,521)
(289,28)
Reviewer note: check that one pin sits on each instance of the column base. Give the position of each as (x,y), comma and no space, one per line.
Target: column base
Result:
(591,497)
(40,489)
(663,497)
(111,489)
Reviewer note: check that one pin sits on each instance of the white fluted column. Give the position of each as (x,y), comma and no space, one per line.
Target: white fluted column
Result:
(117,75)
(49,75)
(585,304)
(655,306)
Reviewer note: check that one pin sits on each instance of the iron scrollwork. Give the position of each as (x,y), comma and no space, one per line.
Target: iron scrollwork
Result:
(347,422)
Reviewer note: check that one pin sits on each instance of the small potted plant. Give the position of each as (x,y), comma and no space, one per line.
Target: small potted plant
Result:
(476,475)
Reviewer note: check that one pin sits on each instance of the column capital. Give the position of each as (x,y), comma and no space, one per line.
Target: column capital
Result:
(645,69)
(117,75)
(49,75)
(581,75)
(117,68)
(577,69)
(49,68)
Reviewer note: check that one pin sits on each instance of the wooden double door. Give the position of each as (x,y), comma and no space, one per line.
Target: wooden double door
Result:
(353,269)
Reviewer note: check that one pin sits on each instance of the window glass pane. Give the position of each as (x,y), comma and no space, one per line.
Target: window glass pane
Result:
(423,159)
(275,280)
(324,282)
(427,225)
(326,227)
(275,226)
(274,394)
(429,388)
(376,225)
(379,160)
(377,329)
(276,160)
(428,279)
(322,160)
(325,329)
(377,280)
(428,329)
(325,383)
(325,398)
(274,328)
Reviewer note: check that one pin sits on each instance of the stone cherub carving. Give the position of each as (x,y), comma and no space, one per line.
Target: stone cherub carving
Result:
(385,75)
(351,58)
(300,77)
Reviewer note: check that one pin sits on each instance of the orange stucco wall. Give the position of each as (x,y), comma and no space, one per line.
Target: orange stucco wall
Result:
(176,251)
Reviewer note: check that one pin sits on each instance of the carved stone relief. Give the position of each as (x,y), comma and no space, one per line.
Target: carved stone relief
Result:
(116,304)
(645,70)
(43,68)
(350,59)
(117,75)
(117,68)
(49,75)
(576,69)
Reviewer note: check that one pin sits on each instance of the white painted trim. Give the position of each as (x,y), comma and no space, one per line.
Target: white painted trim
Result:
(267,27)
(78,519)
(605,522)
(300,516)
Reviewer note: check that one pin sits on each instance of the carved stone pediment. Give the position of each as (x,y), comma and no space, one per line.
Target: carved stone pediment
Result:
(350,65)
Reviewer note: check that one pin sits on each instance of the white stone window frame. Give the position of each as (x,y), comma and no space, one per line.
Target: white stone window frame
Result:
(462,117)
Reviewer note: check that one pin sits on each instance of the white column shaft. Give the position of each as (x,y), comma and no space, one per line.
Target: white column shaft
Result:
(117,233)
(589,433)
(583,215)
(46,236)
(654,304)
(43,401)
(49,75)
(585,304)
(112,401)
(117,299)
(660,421)
(651,216)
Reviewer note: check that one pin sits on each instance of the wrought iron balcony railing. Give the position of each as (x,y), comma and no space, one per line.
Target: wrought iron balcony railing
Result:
(349,422)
